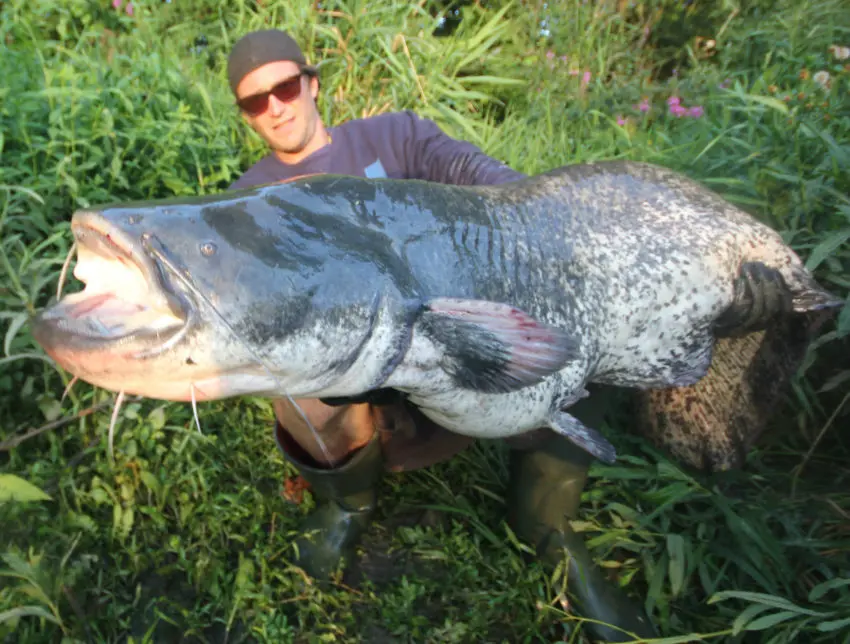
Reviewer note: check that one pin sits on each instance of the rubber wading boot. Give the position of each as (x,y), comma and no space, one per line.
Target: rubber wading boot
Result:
(346,497)
(544,492)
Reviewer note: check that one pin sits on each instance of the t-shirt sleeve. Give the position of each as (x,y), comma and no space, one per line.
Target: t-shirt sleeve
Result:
(432,155)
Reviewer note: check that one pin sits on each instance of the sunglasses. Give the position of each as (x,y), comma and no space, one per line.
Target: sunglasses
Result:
(286,91)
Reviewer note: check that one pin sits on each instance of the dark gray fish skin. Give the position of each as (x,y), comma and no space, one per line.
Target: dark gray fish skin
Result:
(491,307)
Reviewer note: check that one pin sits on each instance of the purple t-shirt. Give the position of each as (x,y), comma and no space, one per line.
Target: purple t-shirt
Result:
(398,145)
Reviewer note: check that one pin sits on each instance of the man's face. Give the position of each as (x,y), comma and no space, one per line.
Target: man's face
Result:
(288,127)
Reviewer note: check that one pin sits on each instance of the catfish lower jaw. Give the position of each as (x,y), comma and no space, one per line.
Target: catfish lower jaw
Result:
(165,378)
(103,322)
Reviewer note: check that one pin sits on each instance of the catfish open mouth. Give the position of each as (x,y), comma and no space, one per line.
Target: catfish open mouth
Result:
(126,297)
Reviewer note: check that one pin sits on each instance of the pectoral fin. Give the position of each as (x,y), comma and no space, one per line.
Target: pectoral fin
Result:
(586,438)
(493,347)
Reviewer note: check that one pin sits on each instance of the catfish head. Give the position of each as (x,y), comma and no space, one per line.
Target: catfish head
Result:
(247,292)
(283,290)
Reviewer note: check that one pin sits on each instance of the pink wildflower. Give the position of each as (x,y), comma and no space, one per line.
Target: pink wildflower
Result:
(129,9)
(673,101)
(621,120)
(550,54)
(643,106)
(696,111)
(116,4)
(678,111)
(586,78)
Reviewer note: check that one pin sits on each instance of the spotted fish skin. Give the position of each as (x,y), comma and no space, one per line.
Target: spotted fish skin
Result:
(636,260)
(490,307)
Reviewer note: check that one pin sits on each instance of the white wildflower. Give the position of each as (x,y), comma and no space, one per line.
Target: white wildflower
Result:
(840,53)
(823,79)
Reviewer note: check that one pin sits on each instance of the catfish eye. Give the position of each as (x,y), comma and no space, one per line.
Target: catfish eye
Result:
(208,249)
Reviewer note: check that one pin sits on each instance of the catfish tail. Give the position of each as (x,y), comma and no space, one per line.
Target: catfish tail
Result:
(810,296)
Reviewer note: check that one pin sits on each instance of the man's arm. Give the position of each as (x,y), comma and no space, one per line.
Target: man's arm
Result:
(432,155)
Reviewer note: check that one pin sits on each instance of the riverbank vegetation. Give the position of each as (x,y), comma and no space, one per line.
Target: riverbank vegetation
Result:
(187,536)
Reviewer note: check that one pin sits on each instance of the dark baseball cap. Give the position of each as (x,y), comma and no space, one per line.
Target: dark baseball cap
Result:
(259,48)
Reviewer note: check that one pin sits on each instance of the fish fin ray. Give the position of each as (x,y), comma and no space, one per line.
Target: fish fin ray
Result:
(809,296)
(493,347)
(699,363)
(590,440)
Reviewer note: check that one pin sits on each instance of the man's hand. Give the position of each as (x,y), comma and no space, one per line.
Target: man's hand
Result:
(760,295)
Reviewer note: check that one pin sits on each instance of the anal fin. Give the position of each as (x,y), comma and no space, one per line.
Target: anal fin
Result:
(590,440)
(494,347)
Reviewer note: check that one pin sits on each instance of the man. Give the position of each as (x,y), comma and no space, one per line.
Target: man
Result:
(343,448)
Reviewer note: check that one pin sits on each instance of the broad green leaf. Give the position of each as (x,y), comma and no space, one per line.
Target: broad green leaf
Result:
(245,573)
(156,418)
(843,322)
(824,587)
(768,621)
(14,488)
(14,326)
(762,598)
(833,625)
(826,247)
(27,611)
(747,615)
(676,567)
(767,101)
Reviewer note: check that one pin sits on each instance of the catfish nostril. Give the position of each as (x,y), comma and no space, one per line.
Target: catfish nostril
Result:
(208,249)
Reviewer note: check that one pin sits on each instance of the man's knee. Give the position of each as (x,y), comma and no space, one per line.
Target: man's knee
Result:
(310,413)
(324,431)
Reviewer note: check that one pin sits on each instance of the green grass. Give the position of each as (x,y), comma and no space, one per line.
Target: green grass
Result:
(187,534)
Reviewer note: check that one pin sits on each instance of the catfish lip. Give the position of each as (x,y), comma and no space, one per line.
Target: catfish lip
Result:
(103,238)
(94,232)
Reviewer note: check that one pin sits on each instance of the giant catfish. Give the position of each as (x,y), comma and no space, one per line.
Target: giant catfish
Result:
(489,307)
